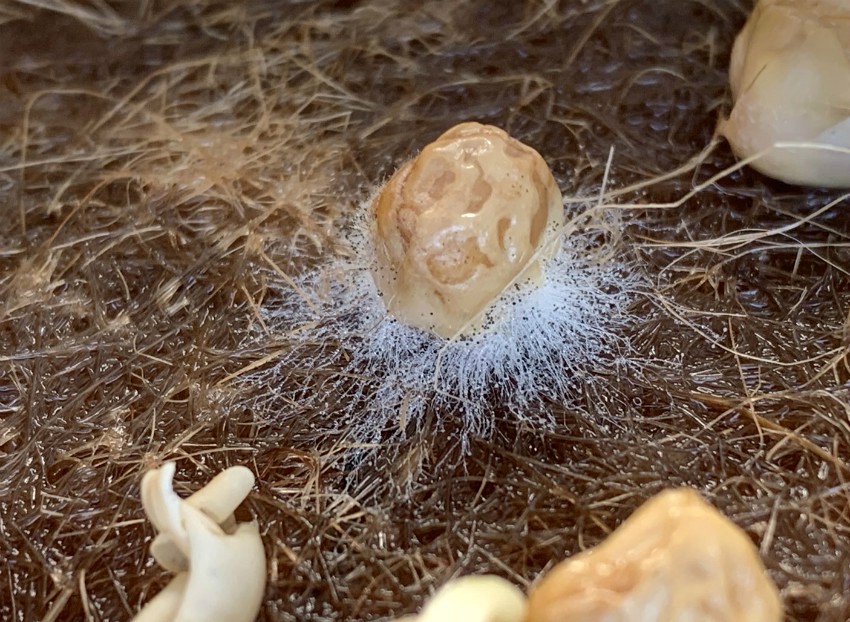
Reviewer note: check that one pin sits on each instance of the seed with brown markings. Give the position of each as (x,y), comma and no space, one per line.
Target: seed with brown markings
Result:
(475,212)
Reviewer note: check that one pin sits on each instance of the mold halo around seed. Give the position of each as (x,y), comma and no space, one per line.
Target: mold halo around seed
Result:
(396,334)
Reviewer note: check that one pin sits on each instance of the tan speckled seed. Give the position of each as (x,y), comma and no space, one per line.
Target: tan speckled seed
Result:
(459,223)
(676,558)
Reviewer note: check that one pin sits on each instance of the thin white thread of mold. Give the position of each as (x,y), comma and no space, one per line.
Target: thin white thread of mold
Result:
(375,378)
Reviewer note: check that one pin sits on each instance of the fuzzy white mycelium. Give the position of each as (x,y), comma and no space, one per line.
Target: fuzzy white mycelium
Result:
(468,288)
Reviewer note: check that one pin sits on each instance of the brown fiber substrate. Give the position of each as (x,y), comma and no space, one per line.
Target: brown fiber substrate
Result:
(159,160)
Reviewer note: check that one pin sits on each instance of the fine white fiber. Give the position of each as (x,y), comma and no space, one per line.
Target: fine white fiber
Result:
(379,380)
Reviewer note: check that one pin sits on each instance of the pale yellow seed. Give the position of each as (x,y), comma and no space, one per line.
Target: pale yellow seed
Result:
(790,79)
(676,558)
